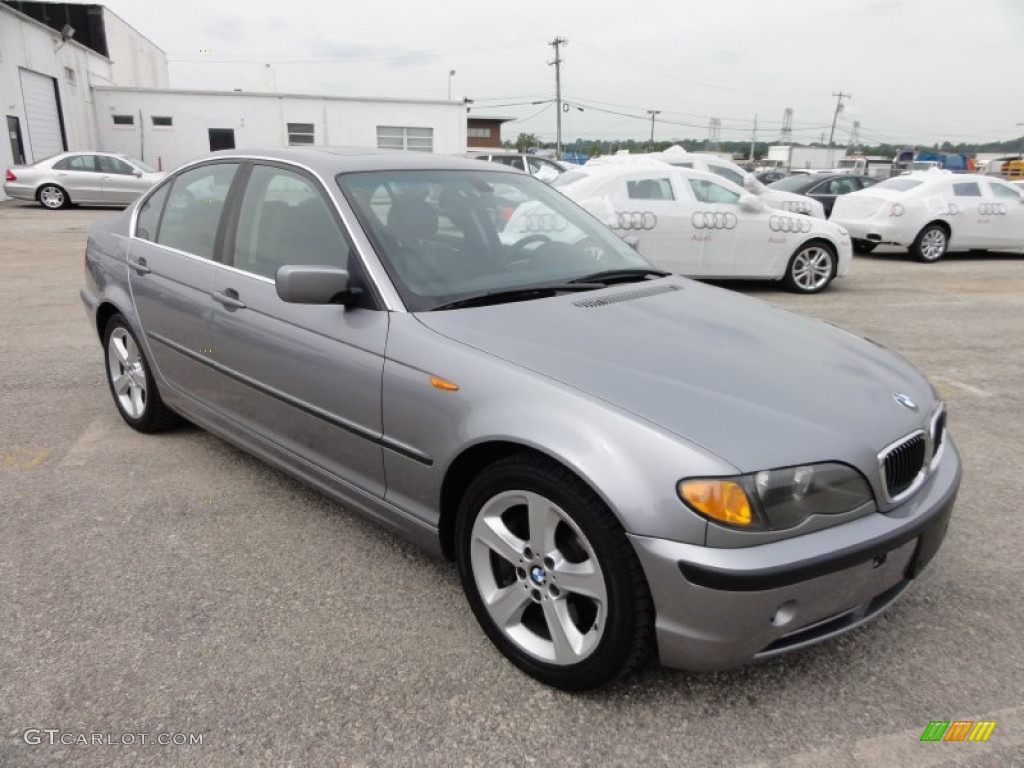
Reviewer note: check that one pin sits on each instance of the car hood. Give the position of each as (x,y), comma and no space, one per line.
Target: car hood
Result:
(756,385)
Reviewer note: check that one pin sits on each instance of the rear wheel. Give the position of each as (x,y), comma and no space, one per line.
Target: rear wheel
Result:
(53,197)
(811,268)
(131,381)
(550,576)
(931,243)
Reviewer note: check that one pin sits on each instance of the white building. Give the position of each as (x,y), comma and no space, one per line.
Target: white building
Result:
(51,56)
(76,76)
(167,127)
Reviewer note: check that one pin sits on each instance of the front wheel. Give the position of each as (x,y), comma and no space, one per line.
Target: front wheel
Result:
(131,381)
(811,268)
(931,244)
(550,575)
(53,197)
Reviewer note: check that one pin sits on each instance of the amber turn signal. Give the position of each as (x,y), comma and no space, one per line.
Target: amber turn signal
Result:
(723,500)
(447,386)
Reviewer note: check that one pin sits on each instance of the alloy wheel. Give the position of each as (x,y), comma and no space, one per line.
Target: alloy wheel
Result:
(538,577)
(812,268)
(127,373)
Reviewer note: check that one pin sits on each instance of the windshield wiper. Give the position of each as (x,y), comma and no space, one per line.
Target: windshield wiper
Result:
(518,294)
(609,276)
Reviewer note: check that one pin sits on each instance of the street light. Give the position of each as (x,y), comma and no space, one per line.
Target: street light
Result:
(451,74)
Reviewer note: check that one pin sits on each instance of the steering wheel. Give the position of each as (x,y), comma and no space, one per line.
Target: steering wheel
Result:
(528,240)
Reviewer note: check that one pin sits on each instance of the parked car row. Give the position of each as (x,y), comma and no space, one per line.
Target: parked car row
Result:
(620,461)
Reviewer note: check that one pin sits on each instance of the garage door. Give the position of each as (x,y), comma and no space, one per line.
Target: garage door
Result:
(43,118)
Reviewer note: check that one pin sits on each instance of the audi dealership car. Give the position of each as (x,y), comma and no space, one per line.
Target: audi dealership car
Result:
(88,178)
(932,212)
(535,165)
(618,460)
(700,225)
(823,187)
(697,161)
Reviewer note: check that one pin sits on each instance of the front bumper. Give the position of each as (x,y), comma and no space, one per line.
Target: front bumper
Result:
(719,608)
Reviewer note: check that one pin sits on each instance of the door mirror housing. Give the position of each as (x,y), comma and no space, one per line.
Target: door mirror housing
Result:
(751,204)
(137,173)
(313,284)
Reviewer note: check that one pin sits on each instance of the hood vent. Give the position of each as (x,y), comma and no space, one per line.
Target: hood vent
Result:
(615,298)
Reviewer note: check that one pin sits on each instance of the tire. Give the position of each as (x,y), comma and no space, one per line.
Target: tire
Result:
(863,246)
(131,381)
(53,197)
(811,268)
(565,599)
(931,244)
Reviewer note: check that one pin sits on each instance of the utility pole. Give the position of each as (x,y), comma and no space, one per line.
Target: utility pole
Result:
(557,63)
(839,108)
(652,113)
(753,141)
(787,126)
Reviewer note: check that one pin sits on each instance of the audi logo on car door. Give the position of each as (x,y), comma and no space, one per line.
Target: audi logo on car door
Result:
(789,224)
(713,220)
(992,209)
(636,220)
(795,206)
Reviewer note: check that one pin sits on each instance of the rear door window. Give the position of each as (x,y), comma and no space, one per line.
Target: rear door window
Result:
(194,209)
(967,189)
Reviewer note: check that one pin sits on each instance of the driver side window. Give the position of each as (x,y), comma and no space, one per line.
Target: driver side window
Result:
(285,220)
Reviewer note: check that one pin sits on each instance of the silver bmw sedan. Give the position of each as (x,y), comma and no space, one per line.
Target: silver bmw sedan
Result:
(621,462)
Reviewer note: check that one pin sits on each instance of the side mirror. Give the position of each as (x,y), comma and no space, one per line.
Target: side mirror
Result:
(137,173)
(300,284)
(632,241)
(751,204)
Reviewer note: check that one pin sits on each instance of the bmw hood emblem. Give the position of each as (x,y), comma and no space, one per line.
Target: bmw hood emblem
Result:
(904,400)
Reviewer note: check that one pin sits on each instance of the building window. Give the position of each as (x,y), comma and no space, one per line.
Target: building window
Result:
(479,133)
(163,122)
(69,74)
(300,133)
(124,119)
(398,137)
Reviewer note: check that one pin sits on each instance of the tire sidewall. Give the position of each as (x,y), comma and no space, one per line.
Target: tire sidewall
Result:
(613,650)
(145,421)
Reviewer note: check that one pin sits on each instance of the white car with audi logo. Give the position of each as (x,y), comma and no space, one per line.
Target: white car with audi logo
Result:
(934,212)
(696,224)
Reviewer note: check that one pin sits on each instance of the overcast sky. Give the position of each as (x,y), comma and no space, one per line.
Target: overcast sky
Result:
(919,71)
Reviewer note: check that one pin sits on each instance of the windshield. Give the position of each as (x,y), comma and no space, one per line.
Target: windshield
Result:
(900,185)
(446,235)
(792,183)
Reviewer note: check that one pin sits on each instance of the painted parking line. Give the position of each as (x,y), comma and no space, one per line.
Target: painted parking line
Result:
(24,458)
(945,385)
(91,442)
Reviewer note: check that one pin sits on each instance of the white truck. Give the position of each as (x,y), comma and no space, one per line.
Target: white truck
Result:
(796,158)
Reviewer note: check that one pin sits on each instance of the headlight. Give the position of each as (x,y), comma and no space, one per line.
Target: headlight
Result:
(777,499)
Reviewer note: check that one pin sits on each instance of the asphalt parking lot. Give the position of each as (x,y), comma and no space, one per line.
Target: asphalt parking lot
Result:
(173,586)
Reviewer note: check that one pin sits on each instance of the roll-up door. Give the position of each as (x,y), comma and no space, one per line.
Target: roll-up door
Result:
(43,116)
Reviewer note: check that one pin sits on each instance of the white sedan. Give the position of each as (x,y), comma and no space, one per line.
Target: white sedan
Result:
(698,224)
(930,213)
(699,161)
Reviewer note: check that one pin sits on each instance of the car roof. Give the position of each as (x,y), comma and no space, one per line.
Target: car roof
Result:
(601,173)
(332,160)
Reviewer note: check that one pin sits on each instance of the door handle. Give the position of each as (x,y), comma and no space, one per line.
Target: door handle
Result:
(229,298)
(140,266)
